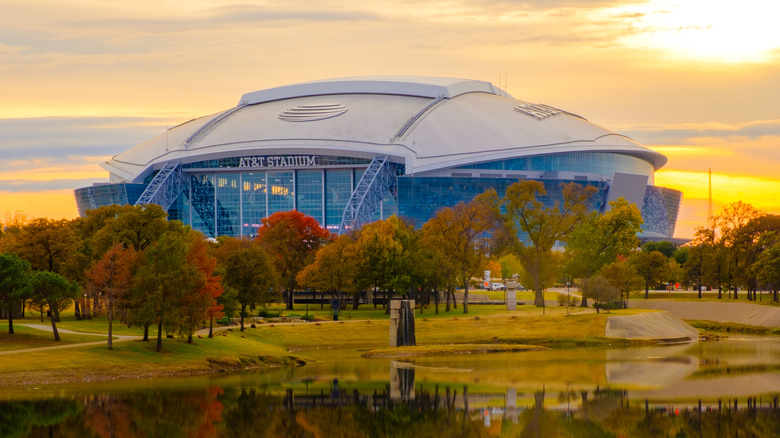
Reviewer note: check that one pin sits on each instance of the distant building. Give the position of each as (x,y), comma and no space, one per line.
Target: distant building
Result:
(348,151)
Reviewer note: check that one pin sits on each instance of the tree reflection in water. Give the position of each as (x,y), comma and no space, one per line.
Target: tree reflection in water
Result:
(329,409)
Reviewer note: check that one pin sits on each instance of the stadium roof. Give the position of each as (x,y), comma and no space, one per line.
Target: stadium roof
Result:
(426,123)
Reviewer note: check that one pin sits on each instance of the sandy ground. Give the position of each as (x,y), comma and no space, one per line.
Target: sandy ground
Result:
(726,311)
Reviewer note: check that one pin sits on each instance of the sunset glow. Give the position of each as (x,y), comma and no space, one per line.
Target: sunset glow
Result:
(695,80)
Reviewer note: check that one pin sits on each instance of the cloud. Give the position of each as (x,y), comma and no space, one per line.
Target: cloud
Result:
(696,133)
(72,139)
(28,186)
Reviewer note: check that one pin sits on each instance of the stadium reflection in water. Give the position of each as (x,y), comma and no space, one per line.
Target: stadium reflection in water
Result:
(724,389)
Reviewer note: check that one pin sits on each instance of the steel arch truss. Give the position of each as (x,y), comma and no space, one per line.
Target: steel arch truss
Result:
(367,197)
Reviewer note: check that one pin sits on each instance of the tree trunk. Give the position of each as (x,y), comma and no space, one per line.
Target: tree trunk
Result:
(10,317)
(146,333)
(158,348)
(436,299)
(110,323)
(243,309)
(449,289)
(466,296)
(647,290)
(720,292)
(189,336)
(211,327)
(389,295)
(54,326)
(77,309)
(356,301)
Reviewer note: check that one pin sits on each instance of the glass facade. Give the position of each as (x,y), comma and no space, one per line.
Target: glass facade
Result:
(420,197)
(231,196)
(601,163)
(92,197)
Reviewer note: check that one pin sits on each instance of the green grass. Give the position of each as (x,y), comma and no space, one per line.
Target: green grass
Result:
(26,337)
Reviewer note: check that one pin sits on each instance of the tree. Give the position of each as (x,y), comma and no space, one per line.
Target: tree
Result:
(601,291)
(541,227)
(651,266)
(601,238)
(624,277)
(247,269)
(14,281)
(111,279)
(463,231)
(165,282)
(384,256)
(292,239)
(201,302)
(55,291)
(767,268)
(47,244)
(334,268)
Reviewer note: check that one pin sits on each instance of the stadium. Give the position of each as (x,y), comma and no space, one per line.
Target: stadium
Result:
(349,151)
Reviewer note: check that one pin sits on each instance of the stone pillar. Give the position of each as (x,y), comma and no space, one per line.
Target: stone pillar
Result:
(511,299)
(401,382)
(402,323)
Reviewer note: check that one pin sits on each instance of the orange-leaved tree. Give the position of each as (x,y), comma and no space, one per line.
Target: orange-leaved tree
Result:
(292,239)
(110,278)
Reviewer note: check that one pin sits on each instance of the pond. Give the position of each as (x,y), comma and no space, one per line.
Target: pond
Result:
(724,388)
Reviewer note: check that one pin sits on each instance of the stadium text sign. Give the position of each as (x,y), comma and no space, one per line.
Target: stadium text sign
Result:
(279,161)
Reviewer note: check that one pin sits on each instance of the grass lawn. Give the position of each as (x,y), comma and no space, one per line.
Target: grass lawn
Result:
(26,337)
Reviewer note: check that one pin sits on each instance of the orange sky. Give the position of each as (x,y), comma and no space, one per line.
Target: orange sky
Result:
(696,80)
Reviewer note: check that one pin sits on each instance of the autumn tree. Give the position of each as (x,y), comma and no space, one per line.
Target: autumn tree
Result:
(334,268)
(14,281)
(247,269)
(111,279)
(292,239)
(201,303)
(541,227)
(462,231)
(47,244)
(601,291)
(55,291)
(624,277)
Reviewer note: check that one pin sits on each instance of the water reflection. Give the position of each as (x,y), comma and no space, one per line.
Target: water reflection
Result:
(722,389)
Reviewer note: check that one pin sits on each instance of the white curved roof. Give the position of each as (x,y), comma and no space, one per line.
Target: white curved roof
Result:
(425,123)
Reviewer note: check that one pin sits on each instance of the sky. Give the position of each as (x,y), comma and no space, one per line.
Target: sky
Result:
(697,80)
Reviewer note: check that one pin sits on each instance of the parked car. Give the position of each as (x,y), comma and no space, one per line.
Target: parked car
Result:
(497,286)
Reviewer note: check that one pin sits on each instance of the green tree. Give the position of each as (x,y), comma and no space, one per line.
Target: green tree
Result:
(55,291)
(651,266)
(384,257)
(14,282)
(601,238)
(292,239)
(164,283)
(247,269)
(540,227)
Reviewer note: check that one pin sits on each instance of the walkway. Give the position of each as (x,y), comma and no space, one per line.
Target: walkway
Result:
(720,311)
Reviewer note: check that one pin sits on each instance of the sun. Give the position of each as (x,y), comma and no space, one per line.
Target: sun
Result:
(708,30)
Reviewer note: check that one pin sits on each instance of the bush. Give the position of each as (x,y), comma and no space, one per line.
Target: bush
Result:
(224,320)
(573,301)
(265,313)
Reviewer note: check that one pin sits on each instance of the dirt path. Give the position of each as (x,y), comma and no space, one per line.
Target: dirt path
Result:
(742,313)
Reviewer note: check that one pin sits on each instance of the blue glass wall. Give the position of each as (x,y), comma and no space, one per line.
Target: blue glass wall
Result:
(585,162)
(92,197)
(420,197)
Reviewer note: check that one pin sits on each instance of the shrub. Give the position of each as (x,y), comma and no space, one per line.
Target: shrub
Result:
(265,313)
(573,301)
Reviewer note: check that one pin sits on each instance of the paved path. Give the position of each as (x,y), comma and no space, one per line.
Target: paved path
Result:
(47,327)
(725,311)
